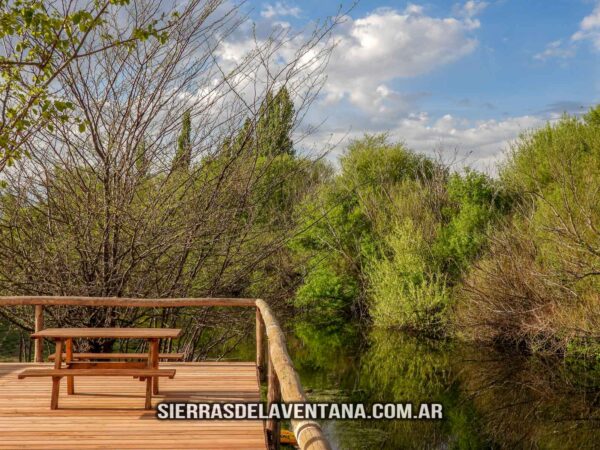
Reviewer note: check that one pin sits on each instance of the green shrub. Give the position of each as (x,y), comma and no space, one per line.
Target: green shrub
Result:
(327,293)
(405,293)
(475,201)
(537,286)
(346,223)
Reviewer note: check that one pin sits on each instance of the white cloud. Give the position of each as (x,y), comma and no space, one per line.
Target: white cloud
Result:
(589,28)
(280,9)
(481,143)
(387,44)
(484,139)
(376,51)
(473,8)
(556,49)
(470,10)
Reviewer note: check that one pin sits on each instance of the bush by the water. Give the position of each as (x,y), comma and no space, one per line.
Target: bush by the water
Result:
(538,286)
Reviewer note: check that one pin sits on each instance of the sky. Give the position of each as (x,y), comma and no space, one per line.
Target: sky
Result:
(457,78)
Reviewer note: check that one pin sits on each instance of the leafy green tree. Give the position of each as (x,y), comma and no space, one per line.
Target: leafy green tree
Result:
(406,291)
(593,116)
(270,134)
(41,39)
(348,220)
(475,201)
(142,161)
(539,279)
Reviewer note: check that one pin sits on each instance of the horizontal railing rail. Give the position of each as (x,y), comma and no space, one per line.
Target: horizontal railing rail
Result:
(272,358)
(125,302)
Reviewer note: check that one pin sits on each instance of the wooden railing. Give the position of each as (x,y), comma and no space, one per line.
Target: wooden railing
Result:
(272,358)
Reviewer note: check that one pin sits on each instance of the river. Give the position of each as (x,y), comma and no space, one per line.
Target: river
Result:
(491,399)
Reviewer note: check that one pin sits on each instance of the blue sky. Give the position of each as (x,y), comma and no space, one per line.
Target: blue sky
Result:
(462,77)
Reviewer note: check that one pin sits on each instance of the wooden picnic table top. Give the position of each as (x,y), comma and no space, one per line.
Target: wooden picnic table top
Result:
(116,333)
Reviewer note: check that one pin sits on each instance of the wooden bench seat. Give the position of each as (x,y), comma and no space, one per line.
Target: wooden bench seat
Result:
(97,373)
(56,374)
(166,356)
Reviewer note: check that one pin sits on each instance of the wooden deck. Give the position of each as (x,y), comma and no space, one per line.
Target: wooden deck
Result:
(109,412)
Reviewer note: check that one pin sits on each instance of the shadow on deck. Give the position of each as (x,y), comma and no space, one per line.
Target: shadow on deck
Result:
(109,412)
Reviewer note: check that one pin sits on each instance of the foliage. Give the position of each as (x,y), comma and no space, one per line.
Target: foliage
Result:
(344,221)
(327,293)
(41,41)
(269,134)
(392,234)
(592,117)
(475,202)
(537,286)
(406,293)
(275,124)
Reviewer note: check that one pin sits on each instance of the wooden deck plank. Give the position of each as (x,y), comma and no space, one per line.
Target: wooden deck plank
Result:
(108,412)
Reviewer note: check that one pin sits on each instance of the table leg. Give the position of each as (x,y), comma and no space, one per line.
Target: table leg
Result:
(68,360)
(56,380)
(153,362)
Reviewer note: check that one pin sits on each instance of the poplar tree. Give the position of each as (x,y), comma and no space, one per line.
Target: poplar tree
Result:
(275,124)
(183,156)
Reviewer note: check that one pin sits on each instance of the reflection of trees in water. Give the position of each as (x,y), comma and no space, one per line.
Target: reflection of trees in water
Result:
(395,368)
(491,400)
(400,368)
(326,357)
(532,403)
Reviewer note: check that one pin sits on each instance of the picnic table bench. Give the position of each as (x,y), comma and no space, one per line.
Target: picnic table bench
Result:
(147,370)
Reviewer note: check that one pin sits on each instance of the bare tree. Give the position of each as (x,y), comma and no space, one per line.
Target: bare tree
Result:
(103,211)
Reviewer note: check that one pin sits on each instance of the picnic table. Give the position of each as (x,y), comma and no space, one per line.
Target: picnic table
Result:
(147,370)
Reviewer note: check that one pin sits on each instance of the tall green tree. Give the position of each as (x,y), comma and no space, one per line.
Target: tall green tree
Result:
(275,124)
(142,161)
(183,156)
(349,217)
(270,134)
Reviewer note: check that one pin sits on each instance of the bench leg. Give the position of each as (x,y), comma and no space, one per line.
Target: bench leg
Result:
(55,389)
(148,393)
(56,380)
(69,359)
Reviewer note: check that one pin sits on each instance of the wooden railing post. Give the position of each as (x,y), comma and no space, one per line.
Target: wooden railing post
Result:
(260,346)
(39,325)
(273,396)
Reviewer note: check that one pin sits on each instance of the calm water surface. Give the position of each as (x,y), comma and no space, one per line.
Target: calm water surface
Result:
(491,399)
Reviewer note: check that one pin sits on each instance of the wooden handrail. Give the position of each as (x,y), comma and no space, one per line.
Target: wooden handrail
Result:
(124,301)
(283,381)
(308,433)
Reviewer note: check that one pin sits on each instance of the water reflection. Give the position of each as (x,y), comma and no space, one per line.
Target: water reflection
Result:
(491,399)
